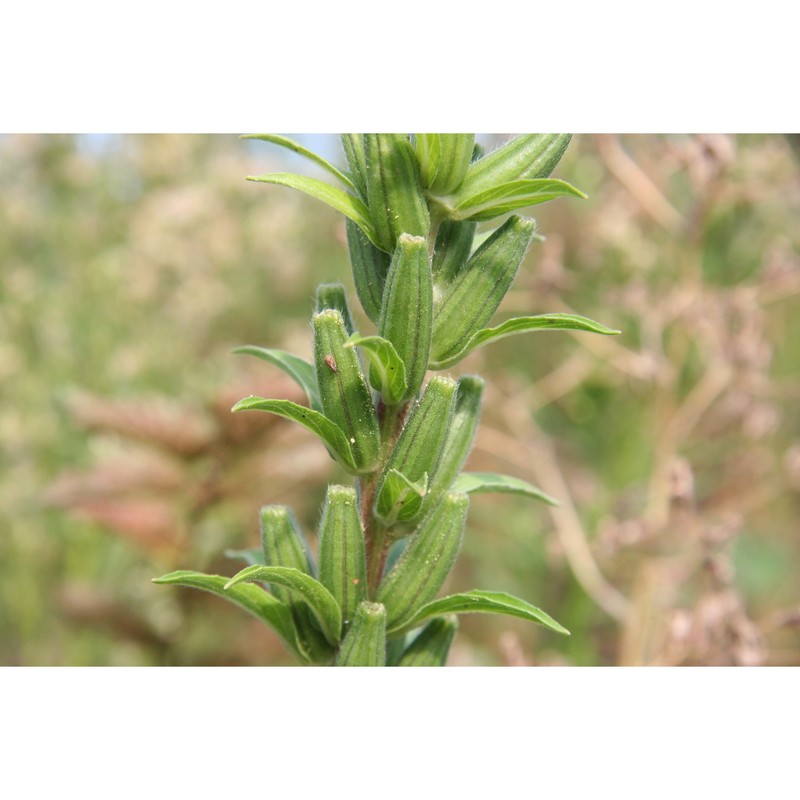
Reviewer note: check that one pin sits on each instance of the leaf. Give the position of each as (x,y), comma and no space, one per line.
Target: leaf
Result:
(400,499)
(479,601)
(295,147)
(252,555)
(330,433)
(295,367)
(320,600)
(253,599)
(507,197)
(479,482)
(388,372)
(549,322)
(347,204)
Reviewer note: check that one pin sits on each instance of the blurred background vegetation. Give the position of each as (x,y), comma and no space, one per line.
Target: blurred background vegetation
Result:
(132,265)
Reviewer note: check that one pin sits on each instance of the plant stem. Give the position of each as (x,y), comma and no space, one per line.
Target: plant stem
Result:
(391,419)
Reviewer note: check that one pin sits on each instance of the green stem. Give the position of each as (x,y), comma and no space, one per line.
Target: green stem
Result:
(391,419)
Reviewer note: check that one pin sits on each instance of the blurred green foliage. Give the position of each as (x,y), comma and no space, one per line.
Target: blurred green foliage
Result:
(131,265)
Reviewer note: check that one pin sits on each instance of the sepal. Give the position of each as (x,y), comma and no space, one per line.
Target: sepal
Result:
(531,155)
(342,563)
(432,644)
(451,251)
(419,447)
(344,394)
(365,642)
(425,563)
(370,267)
(407,310)
(460,435)
(473,297)
(394,192)
(333,295)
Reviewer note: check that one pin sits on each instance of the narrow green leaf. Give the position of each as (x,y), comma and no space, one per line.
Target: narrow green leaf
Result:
(431,646)
(295,147)
(542,322)
(320,600)
(480,482)
(252,555)
(365,642)
(352,207)
(387,372)
(478,601)
(295,367)
(330,433)
(399,498)
(253,599)
(507,197)
(342,560)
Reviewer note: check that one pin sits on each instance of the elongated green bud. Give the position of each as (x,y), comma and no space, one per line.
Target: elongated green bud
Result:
(473,297)
(333,295)
(343,392)
(451,251)
(284,546)
(342,564)
(460,436)
(365,642)
(283,543)
(407,312)
(532,155)
(394,193)
(455,155)
(418,450)
(431,646)
(370,267)
(355,153)
(426,562)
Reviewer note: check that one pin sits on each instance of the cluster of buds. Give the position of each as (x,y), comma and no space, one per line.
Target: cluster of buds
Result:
(386,547)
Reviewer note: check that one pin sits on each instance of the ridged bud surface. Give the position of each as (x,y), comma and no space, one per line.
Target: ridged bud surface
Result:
(395,196)
(426,562)
(365,642)
(342,565)
(407,312)
(343,391)
(472,298)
